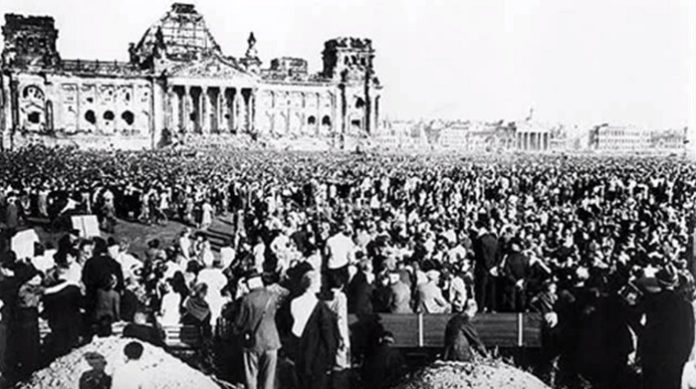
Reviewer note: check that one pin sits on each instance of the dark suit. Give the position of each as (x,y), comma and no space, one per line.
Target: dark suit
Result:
(666,340)
(516,268)
(315,350)
(487,255)
(259,361)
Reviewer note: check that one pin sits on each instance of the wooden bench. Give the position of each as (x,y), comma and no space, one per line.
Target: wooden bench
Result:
(495,330)
(410,330)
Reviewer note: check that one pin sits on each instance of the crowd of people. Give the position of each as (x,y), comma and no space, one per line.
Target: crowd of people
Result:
(601,247)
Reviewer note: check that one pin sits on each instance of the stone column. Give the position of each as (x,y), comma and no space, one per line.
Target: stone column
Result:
(251,108)
(172,108)
(188,109)
(221,110)
(235,110)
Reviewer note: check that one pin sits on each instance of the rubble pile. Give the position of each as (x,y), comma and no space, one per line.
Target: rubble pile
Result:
(485,374)
(169,372)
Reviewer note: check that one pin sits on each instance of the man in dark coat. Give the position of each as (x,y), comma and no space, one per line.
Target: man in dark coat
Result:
(516,270)
(461,335)
(315,329)
(487,256)
(98,270)
(361,291)
(668,335)
(256,318)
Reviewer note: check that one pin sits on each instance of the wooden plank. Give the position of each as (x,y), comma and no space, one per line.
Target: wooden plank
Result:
(499,329)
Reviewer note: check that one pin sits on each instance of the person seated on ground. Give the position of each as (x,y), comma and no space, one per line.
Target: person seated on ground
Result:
(461,335)
(130,375)
(144,329)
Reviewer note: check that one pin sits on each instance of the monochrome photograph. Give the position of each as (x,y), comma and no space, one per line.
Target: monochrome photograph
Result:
(353,194)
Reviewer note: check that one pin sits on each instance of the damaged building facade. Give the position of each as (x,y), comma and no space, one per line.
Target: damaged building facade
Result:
(178,84)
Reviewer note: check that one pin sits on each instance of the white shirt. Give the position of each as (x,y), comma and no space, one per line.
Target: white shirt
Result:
(301,309)
(170,309)
(44,262)
(341,250)
(130,375)
(226,256)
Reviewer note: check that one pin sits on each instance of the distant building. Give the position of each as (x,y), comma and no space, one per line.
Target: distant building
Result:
(620,139)
(178,84)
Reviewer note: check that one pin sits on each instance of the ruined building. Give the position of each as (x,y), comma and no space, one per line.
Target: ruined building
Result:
(178,84)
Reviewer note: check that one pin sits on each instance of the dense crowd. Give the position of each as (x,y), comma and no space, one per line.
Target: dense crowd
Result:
(601,247)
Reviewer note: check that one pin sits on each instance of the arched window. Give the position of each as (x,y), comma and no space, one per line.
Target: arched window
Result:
(359,103)
(34,117)
(311,120)
(108,115)
(90,117)
(326,121)
(128,117)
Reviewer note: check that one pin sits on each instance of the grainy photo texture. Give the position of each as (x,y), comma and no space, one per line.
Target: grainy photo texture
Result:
(354,194)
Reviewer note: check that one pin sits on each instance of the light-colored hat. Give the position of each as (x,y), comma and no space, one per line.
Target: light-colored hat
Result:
(433,275)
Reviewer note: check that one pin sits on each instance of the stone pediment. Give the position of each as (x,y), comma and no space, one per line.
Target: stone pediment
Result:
(212,67)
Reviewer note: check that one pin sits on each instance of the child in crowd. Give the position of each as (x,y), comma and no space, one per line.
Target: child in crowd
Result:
(130,375)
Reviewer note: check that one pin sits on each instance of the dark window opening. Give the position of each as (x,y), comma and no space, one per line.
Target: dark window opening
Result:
(312,120)
(108,115)
(90,117)
(127,96)
(128,117)
(326,121)
(355,123)
(360,103)
(90,99)
(34,118)
(227,116)
(362,61)
(192,116)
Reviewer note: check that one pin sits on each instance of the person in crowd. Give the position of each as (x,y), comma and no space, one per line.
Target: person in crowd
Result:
(668,335)
(96,378)
(316,334)
(487,254)
(256,324)
(131,374)
(401,294)
(26,320)
(197,311)
(337,301)
(144,329)
(430,298)
(107,309)
(461,337)
(62,303)
(516,272)
(361,290)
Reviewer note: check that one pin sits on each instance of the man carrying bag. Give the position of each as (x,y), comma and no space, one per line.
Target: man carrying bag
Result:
(256,325)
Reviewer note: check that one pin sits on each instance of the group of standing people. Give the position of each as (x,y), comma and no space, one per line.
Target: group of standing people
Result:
(601,247)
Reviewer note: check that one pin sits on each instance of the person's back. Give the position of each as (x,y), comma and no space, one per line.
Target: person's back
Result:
(401,302)
(430,299)
(130,375)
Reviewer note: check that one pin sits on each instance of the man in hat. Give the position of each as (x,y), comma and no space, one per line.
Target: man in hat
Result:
(256,323)
(668,334)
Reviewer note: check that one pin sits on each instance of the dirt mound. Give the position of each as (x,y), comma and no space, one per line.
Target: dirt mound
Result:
(486,374)
(169,372)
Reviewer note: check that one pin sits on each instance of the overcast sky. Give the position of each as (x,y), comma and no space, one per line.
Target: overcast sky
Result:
(584,62)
